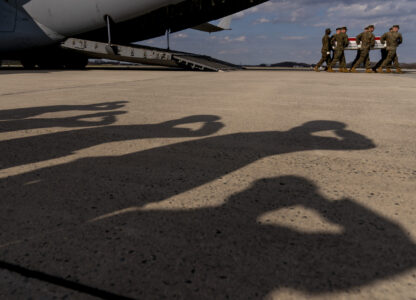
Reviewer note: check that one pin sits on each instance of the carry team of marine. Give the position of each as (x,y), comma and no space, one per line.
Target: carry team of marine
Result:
(366,40)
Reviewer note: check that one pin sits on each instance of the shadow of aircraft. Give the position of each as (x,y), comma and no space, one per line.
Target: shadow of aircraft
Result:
(137,68)
(224,252)
(4,70)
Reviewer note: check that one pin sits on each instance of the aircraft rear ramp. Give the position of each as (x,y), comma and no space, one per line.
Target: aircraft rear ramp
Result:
(148,55)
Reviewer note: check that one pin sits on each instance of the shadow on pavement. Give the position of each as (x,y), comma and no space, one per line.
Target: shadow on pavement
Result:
(226,253)
(59,144)
(222,252)
(106,118)
(83,222)
(143,68)
(20,70)
(23,113)
(89,187)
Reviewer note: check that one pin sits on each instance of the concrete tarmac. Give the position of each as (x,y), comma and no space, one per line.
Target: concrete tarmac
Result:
(153,184)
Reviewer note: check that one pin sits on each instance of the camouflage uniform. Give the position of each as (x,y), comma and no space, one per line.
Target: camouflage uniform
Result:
(343,62)
(357,57)
(341,41)
(326,51)
(393,40)
(383,58)
(368,41)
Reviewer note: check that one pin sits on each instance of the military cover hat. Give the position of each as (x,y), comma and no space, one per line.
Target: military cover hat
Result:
(371,26)
(339,28)
(396,26)
(345,28)
(366,28)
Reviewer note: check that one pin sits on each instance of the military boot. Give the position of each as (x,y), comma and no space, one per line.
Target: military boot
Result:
(380,70)
(388,70)
(369,71)
(316,69)
(399,71)
(353,70)
(330,70)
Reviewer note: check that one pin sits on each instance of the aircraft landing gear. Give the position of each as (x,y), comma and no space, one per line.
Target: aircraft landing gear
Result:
(28,64)
(71,62)
(76,64)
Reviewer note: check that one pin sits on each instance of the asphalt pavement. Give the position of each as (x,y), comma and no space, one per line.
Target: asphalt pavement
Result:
(143,183)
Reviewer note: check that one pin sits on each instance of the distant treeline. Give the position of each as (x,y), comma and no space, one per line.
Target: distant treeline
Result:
(293,64)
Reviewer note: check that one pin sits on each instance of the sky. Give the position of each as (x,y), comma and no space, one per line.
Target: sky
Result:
(283,30)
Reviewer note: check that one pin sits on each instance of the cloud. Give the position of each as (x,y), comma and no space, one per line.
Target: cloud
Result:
(228,39)
(180,36)
(262,21)
(293,38)
(234,51)
(281,30)
(354,13)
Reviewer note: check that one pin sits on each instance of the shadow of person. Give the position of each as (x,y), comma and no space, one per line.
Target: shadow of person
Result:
(225,252)
(83,189)
(28,112)
(22,118)
(59,144)
(105,118)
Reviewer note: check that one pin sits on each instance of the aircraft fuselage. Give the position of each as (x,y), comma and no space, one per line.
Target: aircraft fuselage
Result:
(32,24)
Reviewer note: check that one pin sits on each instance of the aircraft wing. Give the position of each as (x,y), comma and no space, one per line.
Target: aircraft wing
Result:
(225,24)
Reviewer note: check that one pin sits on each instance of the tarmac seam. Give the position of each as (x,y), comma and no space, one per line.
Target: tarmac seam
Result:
(75,286)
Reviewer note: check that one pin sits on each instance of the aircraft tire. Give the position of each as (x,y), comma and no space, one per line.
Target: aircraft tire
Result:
(50,65)
(78,63)
(28,64)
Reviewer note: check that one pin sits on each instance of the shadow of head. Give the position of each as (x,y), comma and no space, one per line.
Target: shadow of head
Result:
(344,139)
(322,125)
(226,251)
(370,246)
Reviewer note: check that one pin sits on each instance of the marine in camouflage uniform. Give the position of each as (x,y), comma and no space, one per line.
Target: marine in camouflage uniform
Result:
(383,53)
(343,62)
(367,40)
(393,40)
(340,41)
(357,57)
(326,50)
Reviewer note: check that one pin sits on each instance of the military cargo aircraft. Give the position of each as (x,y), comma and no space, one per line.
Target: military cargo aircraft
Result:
(33,31)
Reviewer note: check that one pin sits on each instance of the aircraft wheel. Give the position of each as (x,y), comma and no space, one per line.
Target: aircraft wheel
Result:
(78,63)
(28,64)
(52,62)
(44,65)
